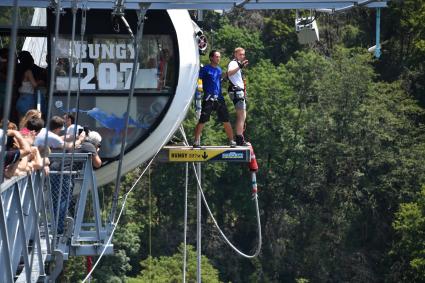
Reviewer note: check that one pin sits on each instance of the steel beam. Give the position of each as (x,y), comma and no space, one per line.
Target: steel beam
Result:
(209,4)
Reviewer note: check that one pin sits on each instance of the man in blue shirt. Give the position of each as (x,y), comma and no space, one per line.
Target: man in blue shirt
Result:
(213,99)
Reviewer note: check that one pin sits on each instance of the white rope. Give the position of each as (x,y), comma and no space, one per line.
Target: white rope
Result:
(255,197)
(124,202)
(118,218)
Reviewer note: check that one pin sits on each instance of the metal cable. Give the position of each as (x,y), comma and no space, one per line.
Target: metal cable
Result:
(49,108)
(136,41)
(68,102)
(77,102)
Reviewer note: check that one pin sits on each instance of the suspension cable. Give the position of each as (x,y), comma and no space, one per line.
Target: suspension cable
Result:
(136,41)
(255,197)
(68,102)
(77,102)
(49,112)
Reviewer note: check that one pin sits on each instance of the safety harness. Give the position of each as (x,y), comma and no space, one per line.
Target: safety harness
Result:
(237,93)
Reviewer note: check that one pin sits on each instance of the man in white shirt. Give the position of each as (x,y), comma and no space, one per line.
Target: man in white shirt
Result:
(237,92)
(70,127)
(54,141)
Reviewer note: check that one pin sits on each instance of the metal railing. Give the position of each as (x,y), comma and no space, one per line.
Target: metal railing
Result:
(47,218)
(24,241)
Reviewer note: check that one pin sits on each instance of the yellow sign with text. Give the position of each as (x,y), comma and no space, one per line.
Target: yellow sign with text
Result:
(197,155)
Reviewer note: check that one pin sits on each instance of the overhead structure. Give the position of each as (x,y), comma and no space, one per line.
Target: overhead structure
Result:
(212,4)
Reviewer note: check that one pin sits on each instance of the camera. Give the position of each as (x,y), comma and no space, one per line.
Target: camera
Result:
(9,142)
(86,130)
(80,131)
(201,38)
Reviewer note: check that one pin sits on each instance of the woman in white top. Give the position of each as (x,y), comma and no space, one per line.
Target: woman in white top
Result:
(26,83)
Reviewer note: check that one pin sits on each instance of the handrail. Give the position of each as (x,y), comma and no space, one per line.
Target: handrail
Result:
(37,226)
(23,239)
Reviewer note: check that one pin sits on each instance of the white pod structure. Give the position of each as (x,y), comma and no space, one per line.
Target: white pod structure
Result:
(102,62)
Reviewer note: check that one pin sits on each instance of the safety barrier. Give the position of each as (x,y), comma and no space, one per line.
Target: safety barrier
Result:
(24,241)
(46,218)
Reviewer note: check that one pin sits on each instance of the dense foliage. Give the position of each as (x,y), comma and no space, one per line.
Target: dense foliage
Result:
(340,143)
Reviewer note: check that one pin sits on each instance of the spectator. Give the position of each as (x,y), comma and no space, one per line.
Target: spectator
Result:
(91,144)
(163,70)
(54,141)
(30,114)
(33,161)
(16,149)
(70,126)
(26,83)
(11,126)
(32,129)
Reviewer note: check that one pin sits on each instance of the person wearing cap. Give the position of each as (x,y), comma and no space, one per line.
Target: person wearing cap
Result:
(91,144)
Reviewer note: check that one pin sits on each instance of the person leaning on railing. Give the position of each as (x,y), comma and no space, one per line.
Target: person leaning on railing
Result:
(34,161)
(54,141)
(91,144)
(16,149)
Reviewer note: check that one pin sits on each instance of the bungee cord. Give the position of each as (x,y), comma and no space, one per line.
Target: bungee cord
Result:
(255,197)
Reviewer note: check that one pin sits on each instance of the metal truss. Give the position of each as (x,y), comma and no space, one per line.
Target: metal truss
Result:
(43,221)
(332,5)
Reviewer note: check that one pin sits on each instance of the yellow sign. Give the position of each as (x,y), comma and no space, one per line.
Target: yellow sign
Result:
(190,155)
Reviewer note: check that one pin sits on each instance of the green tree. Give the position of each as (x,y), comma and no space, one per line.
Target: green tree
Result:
(409,244)
(169,269)
(279,37)
(229,37)
(334,151)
